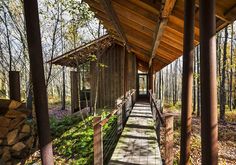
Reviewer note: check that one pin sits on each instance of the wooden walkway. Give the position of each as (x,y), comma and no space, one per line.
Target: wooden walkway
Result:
(138,143)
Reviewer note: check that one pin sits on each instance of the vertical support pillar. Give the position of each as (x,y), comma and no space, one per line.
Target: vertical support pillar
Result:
(14,85)
(150,79)
(187,83)
(169,142)
(209,124)
(97,141)
(125,71)
(74,91)
(38,80)
(155,85)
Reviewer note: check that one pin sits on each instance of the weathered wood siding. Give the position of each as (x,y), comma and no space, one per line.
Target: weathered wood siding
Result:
(132,71)
(112,76)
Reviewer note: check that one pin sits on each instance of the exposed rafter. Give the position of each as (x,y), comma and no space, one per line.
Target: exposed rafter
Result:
(110,11)
(227,16)
(167,9)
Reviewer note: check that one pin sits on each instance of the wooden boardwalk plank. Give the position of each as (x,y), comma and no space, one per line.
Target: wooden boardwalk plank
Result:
(138,143)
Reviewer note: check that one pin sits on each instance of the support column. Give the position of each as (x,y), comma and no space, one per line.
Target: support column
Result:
(155,85)
(209,124)
(187,83)
(150,79)
(97,141)
(38,80)
(125,70)
(74,91)
(14,85)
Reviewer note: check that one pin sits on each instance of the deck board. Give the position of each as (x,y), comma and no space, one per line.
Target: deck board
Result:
(138,143)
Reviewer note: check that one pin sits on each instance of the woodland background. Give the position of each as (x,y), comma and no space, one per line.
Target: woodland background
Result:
(67,24)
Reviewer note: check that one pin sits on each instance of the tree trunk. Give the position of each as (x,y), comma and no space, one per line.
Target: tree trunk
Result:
(63,106)
(194,84)
(198,83)
(222,89)
(175,82)
(160,82)
(167,84)
(8,42)
(231,68)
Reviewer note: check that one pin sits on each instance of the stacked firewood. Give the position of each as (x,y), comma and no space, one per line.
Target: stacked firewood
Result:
(17,133)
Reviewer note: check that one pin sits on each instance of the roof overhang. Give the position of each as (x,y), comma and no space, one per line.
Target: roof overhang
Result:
(153,30)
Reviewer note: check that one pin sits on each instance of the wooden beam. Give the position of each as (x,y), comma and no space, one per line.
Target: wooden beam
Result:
(132,7)
(167,9)
(153,7)
(38,80)
(169,48)
(141,43)
(135,16)
(137,26)
(180,22)
(227,16)
(172,43)
(161,59)
(110,11)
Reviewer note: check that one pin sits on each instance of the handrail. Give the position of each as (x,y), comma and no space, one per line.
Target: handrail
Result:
(100,141)
(106,119)
(158,110)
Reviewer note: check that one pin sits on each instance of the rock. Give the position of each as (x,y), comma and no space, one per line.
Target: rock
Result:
(29,143)
(25,129)
(16,122)
(1,151)
(15,114)
(4,122)
(6,155)
(1,141)
(3,132)
(12,137)
(18,147)
(23,136)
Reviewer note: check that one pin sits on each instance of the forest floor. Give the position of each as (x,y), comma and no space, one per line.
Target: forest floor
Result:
(226,138)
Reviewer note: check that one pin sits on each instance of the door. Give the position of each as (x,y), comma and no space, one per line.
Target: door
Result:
(142,85)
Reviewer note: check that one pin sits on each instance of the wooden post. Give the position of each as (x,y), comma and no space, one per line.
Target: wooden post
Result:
(169,142)
(14,85)
(150,79)
(209,123)
(97,141)
(125,71)
(38,80)
(74,91)
(158,130)
(187,83)
(155,85)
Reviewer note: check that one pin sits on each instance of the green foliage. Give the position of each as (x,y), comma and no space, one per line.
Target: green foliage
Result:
(92,58)
(73,139)
(77,142)
(59,127)
(230,116)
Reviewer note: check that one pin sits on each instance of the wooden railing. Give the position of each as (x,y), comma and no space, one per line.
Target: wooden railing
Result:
(165,120)
(104,144)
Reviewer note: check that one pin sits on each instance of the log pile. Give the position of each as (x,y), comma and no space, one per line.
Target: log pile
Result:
(17,133)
